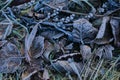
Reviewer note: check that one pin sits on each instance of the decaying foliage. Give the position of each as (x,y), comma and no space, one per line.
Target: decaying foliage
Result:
(76,39)
(10,57)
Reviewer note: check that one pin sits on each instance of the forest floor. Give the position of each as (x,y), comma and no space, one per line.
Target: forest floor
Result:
(60,40)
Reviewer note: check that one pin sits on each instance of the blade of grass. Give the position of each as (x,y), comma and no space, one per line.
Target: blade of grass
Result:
(96,74)
(117,76)
(18,34)
(88,63)
(110,68)
(93,73)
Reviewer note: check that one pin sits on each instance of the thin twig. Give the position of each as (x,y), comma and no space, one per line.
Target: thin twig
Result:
(98,69)
(84,14)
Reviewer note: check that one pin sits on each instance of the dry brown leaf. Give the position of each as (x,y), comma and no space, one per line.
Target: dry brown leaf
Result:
(10,58)
(27,74)
(55,48)
(48,48)
(46,75)
(104,35)
(28,42)
(83,31)
(105,52)
(37,47)
(115,24)
(36,51)
(30,70)
(102,28)
(67,63)
(64,66)
(85,51)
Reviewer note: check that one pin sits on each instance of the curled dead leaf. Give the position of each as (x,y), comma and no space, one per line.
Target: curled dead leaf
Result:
(31,70)
(115,24)
(105,52)
(65,66)
(102,29)
(104,35)
(53,48)
(27,74)
(48,48)
(70,63)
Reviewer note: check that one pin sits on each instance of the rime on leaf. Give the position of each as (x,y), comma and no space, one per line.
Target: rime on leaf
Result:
(64,66)
(115,24)
(37,47)
(104,35)
(85,51)
(28,42)
(10,58)
(83,31)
